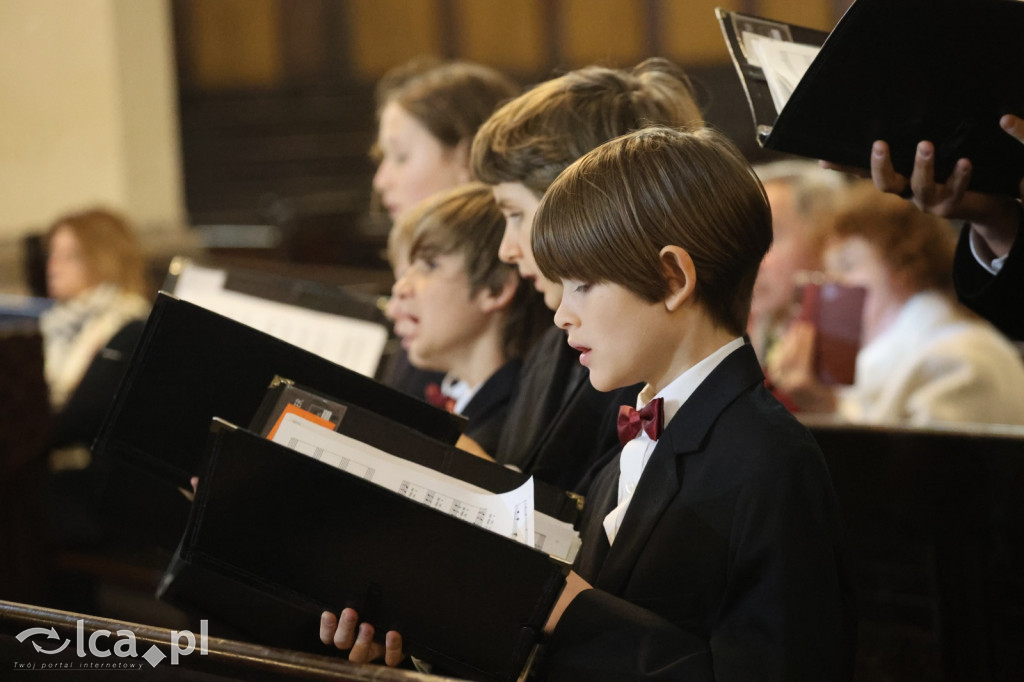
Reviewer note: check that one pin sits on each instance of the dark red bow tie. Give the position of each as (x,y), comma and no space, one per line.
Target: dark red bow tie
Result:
(651,418)
(437,398)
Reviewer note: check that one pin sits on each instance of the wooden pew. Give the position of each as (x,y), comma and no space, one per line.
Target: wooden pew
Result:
(24,435)
(935,520)
(226,659)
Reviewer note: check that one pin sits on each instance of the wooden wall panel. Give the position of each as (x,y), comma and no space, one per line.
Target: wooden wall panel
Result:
(690,31)
(820,15)
(510,35)
(385,33)
(235,43)
(610,32)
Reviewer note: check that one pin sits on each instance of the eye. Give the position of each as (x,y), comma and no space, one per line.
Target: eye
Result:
(582,288)
(513,216)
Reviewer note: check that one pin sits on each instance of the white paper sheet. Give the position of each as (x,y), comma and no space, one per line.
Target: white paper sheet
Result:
(509,514)
(554,537)
(355,344)
(784,64)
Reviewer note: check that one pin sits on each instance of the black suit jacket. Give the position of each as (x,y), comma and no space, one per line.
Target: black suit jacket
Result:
(995,297)
(488,409)
(560,426)
(728,564)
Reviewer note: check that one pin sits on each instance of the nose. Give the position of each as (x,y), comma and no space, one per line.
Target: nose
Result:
(400,291)
(382,176)
(564,317)
(508,250)
(402,288)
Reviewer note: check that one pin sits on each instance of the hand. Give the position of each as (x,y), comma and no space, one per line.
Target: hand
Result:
(346,632)
(791,369)
(574,584)
(1013,125)
(994,219)
(472,447)
(945,200)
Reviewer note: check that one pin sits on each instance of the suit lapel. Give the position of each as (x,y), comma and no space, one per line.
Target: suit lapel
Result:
(496,392)
(660,481)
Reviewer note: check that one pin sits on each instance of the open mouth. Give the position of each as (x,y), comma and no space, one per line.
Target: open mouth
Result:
(404,328)
(584,353)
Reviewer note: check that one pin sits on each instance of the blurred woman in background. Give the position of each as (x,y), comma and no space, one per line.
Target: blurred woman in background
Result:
(924,358)
(95,272)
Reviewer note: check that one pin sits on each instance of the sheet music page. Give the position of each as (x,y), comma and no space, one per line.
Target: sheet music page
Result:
(509,514)
(557,538)
(784,64)
(355,344)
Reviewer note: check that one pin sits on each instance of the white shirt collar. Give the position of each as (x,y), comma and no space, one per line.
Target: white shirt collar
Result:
(459,391)
(636,453)
(682,387)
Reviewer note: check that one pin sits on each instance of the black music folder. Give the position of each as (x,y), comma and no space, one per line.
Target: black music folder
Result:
(900,71)
(410,444)
(191,365)
(275,537)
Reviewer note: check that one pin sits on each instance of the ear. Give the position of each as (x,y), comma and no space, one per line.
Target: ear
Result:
(681,275)
(492,301)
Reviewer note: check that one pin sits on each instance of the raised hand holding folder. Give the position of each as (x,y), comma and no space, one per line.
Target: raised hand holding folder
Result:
(900,71)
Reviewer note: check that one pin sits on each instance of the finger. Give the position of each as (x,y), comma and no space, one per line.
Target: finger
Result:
(345,634)
(883,174)
(922,180)
(365,649)
(959,179)
(393,648)
(1013,125)
(328,626)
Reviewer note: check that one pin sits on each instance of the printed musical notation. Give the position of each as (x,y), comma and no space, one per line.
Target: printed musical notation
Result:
(510,514)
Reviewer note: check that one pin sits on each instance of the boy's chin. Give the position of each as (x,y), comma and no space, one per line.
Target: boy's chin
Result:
(606,384)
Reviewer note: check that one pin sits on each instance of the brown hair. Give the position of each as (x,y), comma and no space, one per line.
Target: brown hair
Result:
(466,221)
(607,217)
(450,99)
(110,249)
(536,136)
(915,246)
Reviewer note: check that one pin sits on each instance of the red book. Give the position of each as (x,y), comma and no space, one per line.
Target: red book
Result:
(835,311)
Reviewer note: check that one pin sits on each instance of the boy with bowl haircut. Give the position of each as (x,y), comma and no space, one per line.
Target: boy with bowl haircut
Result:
(711,543)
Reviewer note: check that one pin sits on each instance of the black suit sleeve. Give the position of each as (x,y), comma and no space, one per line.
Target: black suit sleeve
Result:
(994,297)
(786,612)
(634,644)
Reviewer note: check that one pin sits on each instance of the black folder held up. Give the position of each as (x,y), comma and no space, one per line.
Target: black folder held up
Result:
(276,536)
(900,71)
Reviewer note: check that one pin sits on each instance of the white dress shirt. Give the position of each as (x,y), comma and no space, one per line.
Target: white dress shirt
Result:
(637,451)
